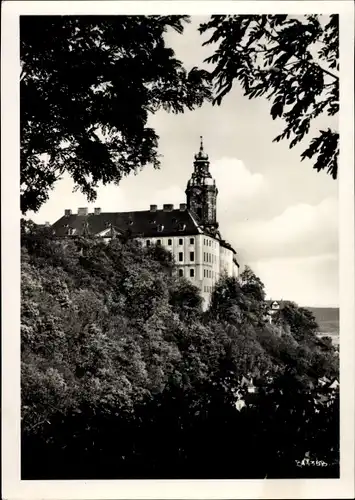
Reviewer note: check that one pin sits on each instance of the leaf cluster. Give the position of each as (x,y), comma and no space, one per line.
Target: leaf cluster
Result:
(88,86)
(291,61)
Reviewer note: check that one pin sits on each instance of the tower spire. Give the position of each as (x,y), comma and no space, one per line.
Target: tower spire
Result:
(201,143)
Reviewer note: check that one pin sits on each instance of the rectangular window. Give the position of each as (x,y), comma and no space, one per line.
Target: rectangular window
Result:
(158,243)
(181,272)
(181,256)
(192,273)
(192,241)
(170,242)
(192,256)
(181,241)
(148,243)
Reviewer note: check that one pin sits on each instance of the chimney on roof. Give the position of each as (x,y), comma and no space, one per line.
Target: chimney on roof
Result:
(67,211)
(47,224)
(97,211)
(168,207)
(83,211)
(153,208)
(183,207)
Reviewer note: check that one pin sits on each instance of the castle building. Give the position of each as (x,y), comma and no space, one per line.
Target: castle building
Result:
(190,232)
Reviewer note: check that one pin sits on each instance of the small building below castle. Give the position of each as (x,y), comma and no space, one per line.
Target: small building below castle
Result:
(190,231)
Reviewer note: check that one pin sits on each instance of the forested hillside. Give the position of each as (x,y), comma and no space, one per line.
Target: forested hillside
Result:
(124,376)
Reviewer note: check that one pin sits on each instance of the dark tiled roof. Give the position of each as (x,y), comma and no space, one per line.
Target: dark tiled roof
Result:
(142,223)
(227,245)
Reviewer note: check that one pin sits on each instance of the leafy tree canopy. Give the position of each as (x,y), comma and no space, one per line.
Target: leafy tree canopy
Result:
(88,85)
(293,62)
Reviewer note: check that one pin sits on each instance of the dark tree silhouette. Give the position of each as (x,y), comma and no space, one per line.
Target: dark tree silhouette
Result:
(291,61)
(88,85)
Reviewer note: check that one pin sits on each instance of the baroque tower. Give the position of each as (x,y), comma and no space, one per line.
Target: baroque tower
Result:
(201,192)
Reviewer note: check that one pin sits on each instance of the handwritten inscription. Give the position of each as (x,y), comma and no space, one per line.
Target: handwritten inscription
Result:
(307,462)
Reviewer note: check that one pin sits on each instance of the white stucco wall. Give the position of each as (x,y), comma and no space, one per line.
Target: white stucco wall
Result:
(210,259)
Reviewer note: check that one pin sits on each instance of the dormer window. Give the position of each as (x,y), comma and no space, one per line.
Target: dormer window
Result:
(70,231)
(181,227)
(160,228)
(152,221)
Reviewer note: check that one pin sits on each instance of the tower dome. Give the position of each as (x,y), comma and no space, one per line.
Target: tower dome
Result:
(201,155)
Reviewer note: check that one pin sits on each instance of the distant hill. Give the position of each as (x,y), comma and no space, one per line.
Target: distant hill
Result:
(327,319)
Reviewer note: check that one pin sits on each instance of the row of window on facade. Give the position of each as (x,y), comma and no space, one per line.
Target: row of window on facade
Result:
(209,257)
(191,271)
(207,288)
(170,242)
(208,273)
(209,243)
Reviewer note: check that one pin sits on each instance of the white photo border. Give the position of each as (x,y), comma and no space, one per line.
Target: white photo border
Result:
(16,489)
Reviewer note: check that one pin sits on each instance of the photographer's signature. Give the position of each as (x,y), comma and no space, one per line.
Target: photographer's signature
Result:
(307,462)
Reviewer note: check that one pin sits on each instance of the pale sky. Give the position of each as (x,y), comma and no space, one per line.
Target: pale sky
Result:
(279,214)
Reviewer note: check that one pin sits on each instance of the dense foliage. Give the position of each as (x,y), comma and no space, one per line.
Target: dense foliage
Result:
(293,61)
(88,84)
(124,375)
